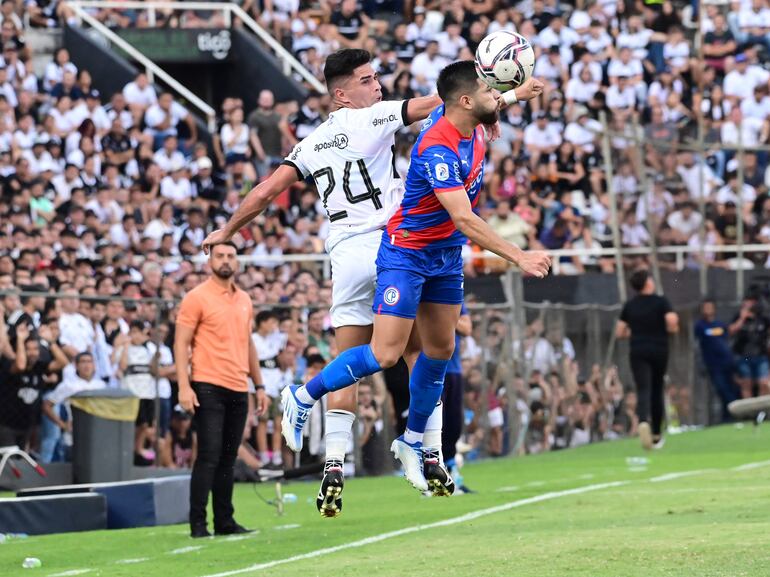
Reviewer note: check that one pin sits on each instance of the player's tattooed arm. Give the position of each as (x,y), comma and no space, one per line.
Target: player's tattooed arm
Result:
(420,108)
(258,199)
(457,204)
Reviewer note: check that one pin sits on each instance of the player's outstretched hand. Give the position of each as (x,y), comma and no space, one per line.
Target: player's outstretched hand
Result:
(216,237)
(530,89)
(535,262)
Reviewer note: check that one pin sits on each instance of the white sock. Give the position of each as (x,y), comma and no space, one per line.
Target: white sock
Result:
(304,397)
(413,437)
(432,439)
(264,456)
(339,430)
(277,458)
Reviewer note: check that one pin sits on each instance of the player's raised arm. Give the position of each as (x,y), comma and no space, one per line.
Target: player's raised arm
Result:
(420,108)
(258,199)
(527,91)
(455,202)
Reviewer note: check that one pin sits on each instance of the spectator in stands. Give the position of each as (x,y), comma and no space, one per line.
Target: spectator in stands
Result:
(57,417)
(713,338)
(269,133)
(750,330)
(163,119)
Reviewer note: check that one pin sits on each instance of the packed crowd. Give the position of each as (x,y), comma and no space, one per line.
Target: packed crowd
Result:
(110,195)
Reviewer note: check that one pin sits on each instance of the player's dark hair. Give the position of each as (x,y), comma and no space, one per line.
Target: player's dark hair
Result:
(639,279)
(315,359)
(342,63)
(457,79)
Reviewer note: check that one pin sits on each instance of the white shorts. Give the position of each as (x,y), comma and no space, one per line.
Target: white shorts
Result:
(354,279)
(496,417)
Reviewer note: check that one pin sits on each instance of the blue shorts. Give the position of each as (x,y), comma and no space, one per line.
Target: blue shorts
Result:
(755,368)
(408,277)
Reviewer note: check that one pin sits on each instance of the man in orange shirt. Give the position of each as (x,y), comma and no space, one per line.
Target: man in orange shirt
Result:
(215,320)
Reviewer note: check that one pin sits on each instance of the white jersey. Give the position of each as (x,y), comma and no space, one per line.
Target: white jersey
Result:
(351,158)
(268,348)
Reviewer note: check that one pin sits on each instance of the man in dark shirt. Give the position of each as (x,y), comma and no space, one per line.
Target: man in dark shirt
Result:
(117,145)
(750,331)
(351,23)
(718,44)
(712,334)
(23,382)
(405,49)
(268,128)
(647,319)
(308,117)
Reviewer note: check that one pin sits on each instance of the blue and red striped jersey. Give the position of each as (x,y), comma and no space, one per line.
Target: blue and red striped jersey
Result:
(442,161)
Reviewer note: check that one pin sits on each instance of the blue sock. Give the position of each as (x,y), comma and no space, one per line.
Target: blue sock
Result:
(346,369)
(425,386)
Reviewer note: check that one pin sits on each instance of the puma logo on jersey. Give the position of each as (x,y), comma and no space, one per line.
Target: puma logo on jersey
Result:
(340,141)
(437,155)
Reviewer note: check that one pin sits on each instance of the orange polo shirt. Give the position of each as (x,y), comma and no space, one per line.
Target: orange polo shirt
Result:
(221,320)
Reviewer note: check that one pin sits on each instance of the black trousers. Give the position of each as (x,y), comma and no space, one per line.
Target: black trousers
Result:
(219,423)
(397,383)
(649,369)
(452,398)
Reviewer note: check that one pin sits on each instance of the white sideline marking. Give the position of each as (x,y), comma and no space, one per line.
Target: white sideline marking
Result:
(130,561)
(510,489)
(749,466)
(71,573)
(672,476)
(417,528)
(285,527)
(185,549)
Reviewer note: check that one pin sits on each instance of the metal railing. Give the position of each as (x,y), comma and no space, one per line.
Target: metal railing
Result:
(151,69)
(228,9)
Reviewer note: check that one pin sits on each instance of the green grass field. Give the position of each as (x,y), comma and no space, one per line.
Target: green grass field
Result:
(692,510)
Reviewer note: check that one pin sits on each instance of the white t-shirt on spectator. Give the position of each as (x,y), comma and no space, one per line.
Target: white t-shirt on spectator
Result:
(423,66)
(583,136)
(541,138)
(65,187)
(565,40)
(7,90)
(450,47)
(109,214)
(580,91)
(750,19)
(63,121)
(73,385)
(143,97)
(165,359)
(98,115)
(753,109)
(137,379)
(121,238)
(636,41)
(25,140)
(55,73)
(692,179)
(634,235)
(593,66)
(76,331)
(597,45)
(624,185)
(742,85)
(727,194)
(165,161)
(618,68)
(687,226)
(155,115)
(241,145)
(617,98)
(653,205)
(579,20)
(661,93)
(676,54)
(748,132)
(546,69)
(156,228)
(178,191)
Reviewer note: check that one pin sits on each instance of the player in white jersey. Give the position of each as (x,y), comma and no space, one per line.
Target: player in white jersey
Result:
(269,342)
(351,159)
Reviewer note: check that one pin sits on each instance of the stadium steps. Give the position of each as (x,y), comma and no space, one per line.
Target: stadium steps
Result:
(43,42)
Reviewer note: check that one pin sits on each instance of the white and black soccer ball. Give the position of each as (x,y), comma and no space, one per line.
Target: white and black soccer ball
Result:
(505,60)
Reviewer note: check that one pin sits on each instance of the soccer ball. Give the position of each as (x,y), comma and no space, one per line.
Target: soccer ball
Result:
(505,60)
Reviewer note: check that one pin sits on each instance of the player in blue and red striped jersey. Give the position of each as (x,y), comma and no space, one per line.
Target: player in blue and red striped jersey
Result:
(420,269)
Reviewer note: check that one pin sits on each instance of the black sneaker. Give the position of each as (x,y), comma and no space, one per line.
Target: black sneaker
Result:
(440,482)
(233,529)
(329,500)
(199,532)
